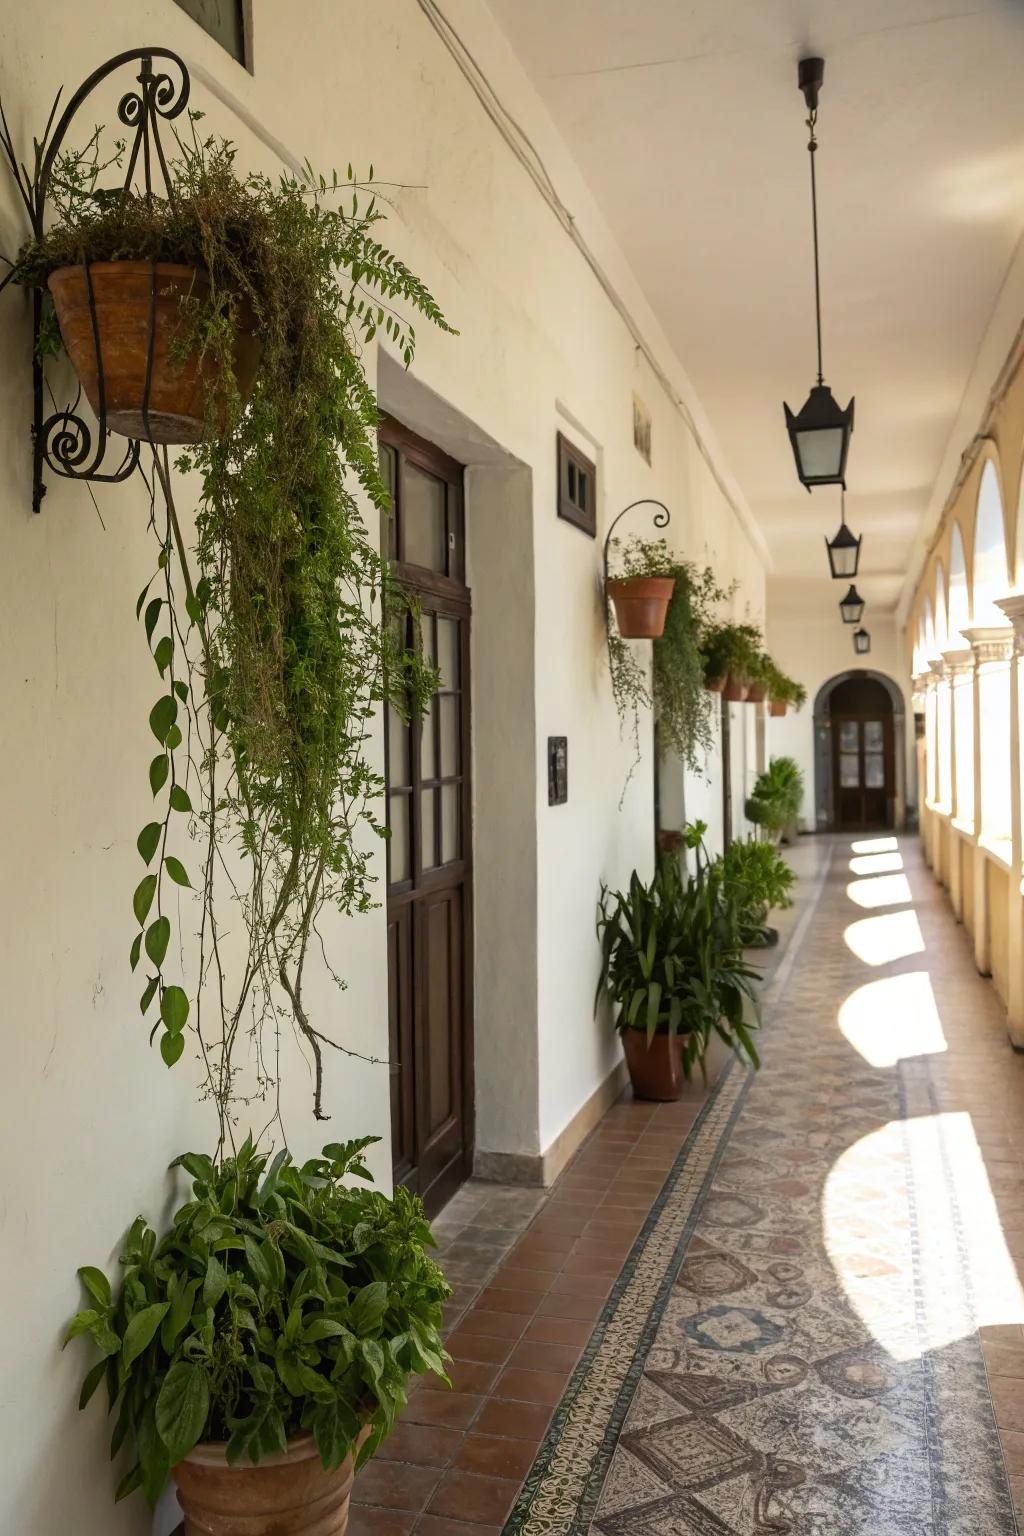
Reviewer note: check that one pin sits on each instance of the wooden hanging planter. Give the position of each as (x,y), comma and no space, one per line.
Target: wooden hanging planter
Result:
(777,708)
(736,689)
(641,604)
(128,297)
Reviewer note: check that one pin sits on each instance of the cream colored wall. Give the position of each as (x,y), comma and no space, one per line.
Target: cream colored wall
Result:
(90,1117)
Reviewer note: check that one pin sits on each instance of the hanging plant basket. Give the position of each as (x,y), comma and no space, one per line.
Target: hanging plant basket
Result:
(736,689)
(756,693)
(284,1495)
(109,343)
(641,604)
(777,708)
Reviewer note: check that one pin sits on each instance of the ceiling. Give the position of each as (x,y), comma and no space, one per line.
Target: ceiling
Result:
(685,118)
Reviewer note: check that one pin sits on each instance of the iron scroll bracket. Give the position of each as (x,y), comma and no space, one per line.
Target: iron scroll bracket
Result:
(661,519)
(64,441)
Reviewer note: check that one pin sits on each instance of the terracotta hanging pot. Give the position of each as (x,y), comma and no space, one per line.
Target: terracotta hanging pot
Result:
(127,295)
(641,604)
(777,708)
(736,689)
(756,693)
(716,684)
(655,1070)
(289,1495)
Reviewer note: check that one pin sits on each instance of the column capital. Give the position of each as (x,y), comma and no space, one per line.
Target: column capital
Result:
(1013,607)
(990,642)
(959,662)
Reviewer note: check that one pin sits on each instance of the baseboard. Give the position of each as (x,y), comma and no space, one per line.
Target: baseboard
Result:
(542,1169)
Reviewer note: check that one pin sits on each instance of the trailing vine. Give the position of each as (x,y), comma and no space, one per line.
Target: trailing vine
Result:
(279,632)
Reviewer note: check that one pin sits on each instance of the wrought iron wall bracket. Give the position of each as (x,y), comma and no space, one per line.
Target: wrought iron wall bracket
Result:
(64,441)
(661,519)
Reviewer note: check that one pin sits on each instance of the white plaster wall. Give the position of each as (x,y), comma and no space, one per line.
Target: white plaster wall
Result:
(90,1118)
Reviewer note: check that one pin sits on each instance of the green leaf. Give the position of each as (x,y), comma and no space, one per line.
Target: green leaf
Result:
(140,1331)
(216,1281)
(91,1382)
(181,689)
(152,615)
(149,840)
(159,768)
(136,949)
(335,1427)
(254,1253)
(158,936)
(96,1283)
(182,1408)
(149,993)
(368,1307)
(171,1048)
(174,1009)
(142,597)
(143,898)
(173,738)
(176,869)
(162,716)
(164,654)
(153,1457)
(179,799)
(128,1484)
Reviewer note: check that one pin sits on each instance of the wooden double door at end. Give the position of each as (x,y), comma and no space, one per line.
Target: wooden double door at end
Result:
(429,904)
(863,758)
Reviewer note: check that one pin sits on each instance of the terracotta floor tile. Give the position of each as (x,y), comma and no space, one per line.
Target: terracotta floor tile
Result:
(498,1325)
(520,1421)
(496,1456)
(502,1299)
(439,1525)
(571,1306)
(1004,1358)
(592,1264)
(466,1376)
(428,1445)
(526,1256)
(462,1345)
(465,1496)
(379,1522)
(581,1284)
(533,1356)
(395,1485)
(516,1277)
(559,1330)
(529,1386)
(451,1410)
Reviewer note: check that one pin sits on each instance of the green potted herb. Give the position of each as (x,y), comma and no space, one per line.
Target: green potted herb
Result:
(759,881)
(783,692)
(259,1350)
(672,968)
(731,653)
(640,595)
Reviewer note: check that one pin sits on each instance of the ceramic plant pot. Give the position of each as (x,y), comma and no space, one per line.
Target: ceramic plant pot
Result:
(777,709)
(736,689)
(127,296)
(756,693)
(716,684)
(641,603)
(289,1495)
(655,1070)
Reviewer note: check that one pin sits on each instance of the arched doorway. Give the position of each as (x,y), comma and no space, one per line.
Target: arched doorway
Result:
(859,753)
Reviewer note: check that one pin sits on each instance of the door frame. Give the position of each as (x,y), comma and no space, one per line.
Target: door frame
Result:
(860,718)
(454,595)
(824,805)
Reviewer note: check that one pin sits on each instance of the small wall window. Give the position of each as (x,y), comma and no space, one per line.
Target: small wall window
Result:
(577,487)
(228,21)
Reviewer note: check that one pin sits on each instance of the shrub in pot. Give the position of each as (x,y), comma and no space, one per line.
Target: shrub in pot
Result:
(260,1348)
(672,968)
(731,654)
(759,881)
(774,804)
(783,692)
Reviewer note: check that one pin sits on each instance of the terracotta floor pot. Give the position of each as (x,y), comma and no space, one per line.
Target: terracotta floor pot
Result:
(641,603)
(655,1070)
(123,296)
(777,709)
(288,1495)
(735,690)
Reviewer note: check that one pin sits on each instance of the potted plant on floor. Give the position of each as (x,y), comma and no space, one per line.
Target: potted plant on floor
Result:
(278,1304)
(774,804)
(760,881)
(672,968)
(730,659)
(259,1350)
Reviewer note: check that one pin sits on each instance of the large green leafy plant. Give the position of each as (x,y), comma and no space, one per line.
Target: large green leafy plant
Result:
(266,629)
(278,1300)
(672,958)
(759,881)
(774,804)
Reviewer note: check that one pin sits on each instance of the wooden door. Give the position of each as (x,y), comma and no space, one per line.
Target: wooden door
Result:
(862,771)
(430,821)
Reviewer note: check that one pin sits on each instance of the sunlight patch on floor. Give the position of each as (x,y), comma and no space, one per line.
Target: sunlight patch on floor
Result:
(881,940)
(893,1019)
(880,891)
(960,1277)
(876,864)
(874,845)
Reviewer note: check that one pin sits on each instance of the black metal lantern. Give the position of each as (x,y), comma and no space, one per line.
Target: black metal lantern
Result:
(820,431)
(843,550)
(852,606)
(861,641)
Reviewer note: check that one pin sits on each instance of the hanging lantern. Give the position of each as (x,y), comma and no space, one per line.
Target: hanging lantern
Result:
(852,606)
(861,641)
(820,431)
(843,550)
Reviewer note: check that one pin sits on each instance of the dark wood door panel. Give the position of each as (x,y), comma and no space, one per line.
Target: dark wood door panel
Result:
(400,1035)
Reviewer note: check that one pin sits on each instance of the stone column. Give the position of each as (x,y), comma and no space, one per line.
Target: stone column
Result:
(992,646)
(957,666)
(1013,607)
